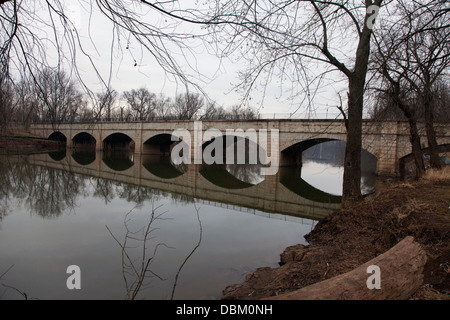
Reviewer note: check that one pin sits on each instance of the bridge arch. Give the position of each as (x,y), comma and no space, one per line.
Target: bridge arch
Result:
(84,140)
(118,141)
(233,160)
(160,143)
(58,136)
(236,147)
(407,165)
(292,155)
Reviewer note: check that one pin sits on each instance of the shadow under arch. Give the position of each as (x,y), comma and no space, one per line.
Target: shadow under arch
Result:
(83,140)
(291,179)
(333,152)
(159,144)
(118,141)
(162,167)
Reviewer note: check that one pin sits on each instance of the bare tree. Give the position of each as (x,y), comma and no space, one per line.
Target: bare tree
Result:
(186,106)
(283,39)
(142,103)
(28,105)
(163,107)
(36,35)
(6,104)
(105,103)
(239,112)
(58,96)
(412,55)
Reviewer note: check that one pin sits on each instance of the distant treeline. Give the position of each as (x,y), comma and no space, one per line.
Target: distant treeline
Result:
(55,98)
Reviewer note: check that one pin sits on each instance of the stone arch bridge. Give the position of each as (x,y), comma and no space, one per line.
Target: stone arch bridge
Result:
(388,141)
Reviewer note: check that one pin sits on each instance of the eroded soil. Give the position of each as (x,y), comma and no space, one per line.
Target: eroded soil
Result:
(352,236)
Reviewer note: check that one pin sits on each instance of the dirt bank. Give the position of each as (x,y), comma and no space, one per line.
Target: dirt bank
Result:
(351,237)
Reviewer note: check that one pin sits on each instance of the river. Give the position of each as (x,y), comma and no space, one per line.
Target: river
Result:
(138,227)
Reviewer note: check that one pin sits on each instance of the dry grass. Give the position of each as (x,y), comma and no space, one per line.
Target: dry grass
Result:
(427,292)
(438,175)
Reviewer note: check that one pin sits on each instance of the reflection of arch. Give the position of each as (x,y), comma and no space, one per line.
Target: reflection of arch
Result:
(84,157)
(219,176)
(58,136)
(290,178)
(232,143)
(162,167)
(118,141)
(57,155)
(117,161)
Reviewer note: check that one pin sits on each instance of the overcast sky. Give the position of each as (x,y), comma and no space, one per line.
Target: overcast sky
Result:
(134,67)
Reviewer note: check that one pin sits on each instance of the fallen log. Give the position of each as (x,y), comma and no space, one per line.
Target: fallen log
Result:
(394,275)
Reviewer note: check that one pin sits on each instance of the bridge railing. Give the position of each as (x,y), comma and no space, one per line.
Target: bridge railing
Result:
(259,116)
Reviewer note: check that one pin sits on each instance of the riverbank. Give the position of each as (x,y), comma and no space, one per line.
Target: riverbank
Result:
(351,237)
(16,142)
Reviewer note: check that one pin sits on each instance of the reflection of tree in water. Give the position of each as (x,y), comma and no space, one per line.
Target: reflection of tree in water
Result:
(5,187)
(138,254)
(103,189)
(108,190)
(54,191)
(134,194)
(48,192)
(45,191)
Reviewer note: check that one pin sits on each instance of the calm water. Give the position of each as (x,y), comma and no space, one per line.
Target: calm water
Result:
(140,228)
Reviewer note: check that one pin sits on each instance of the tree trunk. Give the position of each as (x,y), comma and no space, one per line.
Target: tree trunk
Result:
(435,162)
(352,164)
(400,271)
(357,80)
(416,148)
(414,137)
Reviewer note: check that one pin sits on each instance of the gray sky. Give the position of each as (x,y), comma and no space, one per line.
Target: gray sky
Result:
(134,67)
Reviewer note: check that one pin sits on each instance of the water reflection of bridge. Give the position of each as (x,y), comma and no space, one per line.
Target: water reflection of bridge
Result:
(284,193)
